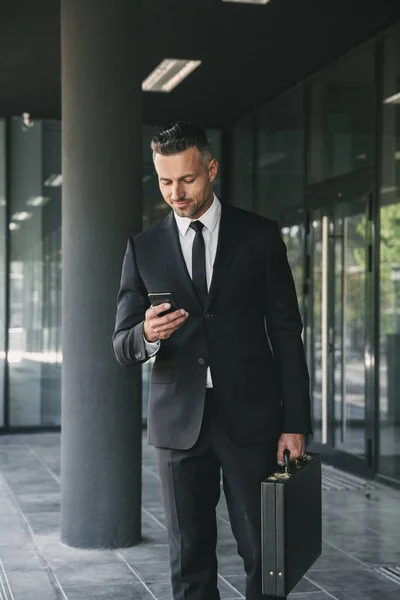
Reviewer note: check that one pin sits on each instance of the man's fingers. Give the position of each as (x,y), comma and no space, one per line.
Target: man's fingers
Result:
(170,327)
(292,442)
(153,314)
(154,311)
(174,322)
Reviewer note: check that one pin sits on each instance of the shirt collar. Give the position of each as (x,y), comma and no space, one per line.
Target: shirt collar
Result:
(209,219)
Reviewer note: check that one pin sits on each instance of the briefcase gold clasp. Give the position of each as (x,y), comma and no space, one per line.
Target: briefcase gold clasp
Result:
(290,468)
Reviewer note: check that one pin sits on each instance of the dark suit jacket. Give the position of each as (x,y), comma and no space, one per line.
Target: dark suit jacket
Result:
(260,392)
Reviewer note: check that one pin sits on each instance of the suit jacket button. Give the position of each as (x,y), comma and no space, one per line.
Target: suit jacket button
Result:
(202,361)
(207,316)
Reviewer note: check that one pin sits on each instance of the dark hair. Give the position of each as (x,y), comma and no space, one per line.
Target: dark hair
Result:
(177,138)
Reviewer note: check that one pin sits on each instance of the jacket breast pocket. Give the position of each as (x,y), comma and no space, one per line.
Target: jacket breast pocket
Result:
(162,375)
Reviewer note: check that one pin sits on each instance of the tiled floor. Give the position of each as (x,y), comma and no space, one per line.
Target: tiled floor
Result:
(360,534)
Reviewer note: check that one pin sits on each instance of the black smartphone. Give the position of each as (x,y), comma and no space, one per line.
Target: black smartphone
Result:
(161,298)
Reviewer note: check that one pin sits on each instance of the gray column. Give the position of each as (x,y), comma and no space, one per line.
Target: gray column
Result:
(101,208)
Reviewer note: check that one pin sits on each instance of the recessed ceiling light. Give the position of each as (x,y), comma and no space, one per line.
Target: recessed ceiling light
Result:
(37,200)
(248,1)
(393,99)
(22,216)
(53,181)
(169,73)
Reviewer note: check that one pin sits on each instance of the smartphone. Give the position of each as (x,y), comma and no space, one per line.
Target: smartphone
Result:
(161,298)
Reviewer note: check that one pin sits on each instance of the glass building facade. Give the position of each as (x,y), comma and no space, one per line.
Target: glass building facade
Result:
(31,263)
(324,160)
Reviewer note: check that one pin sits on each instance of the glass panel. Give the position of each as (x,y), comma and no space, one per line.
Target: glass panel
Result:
(241,187)
(280,154)
(3,222)
(389,460)
(349,327)
(35,283)
(293,236)
(342,117)
(318,319)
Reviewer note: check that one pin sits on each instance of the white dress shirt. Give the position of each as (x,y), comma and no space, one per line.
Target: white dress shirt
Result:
(211,221)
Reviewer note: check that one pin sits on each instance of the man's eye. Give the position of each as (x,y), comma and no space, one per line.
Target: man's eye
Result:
(189,180)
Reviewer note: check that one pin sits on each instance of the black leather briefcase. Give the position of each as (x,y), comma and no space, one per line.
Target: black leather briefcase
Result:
(291,523)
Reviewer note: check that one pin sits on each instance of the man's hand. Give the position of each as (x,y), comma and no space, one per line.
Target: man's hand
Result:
(293,442)
(160,328)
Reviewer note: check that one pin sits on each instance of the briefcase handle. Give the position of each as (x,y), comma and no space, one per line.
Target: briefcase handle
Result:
(286,458)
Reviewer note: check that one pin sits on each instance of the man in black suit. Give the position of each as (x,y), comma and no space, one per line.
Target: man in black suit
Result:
(229,386)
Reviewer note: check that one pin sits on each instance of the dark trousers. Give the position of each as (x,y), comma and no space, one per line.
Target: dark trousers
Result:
(190,482)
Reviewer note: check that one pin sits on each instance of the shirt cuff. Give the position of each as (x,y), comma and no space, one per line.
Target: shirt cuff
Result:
(151,347)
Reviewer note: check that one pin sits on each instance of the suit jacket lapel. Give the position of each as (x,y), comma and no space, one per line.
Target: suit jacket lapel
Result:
(170,249)
(228,239)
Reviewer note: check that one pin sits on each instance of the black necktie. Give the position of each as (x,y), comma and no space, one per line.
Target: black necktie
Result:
(199,261)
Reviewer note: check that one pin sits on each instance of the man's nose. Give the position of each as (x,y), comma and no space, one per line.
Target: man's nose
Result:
(177,192)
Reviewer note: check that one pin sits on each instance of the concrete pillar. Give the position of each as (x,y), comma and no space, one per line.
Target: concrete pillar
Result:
(101,208)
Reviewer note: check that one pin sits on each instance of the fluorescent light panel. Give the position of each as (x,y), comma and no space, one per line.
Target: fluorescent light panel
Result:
(22,216)
(248,1)
(169,73)
(37,200)
(53,181)
(393,99)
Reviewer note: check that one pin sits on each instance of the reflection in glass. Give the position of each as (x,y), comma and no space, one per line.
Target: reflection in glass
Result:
(389,375)
(241,187)
(349,327)
(317,318)
(342,117)
(34,355)
(280,155)
(3,222)
(293,236)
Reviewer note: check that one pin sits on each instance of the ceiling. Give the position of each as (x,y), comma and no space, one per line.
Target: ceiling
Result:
(250,53)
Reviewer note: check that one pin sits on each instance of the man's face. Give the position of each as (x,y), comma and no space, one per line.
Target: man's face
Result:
(186,182)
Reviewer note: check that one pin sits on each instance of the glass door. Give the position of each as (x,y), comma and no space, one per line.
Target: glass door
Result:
(338,324)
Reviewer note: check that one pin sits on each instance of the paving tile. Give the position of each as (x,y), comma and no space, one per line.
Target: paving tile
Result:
(39,502)
(39,594)
(45,522)
(150,572)
(331,558)
(15,539)
(349,580)
(148,553)
(162,590)
(85,574)
(311,596)
(21,558)
(389,594)
(238,582)
(58,554)
(387,553)
(26,582)
(134,591)
(305,586)
(230,564)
